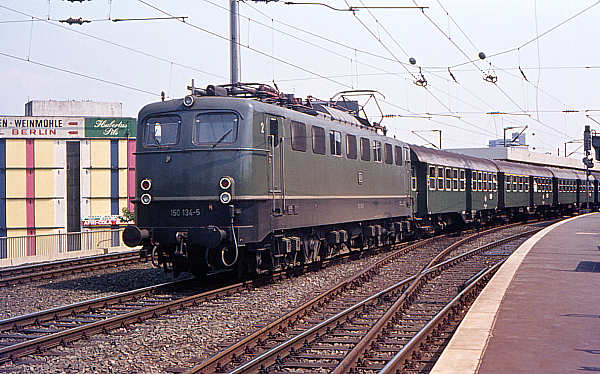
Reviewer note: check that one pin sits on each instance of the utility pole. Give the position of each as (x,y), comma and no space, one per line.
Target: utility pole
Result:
(235,44)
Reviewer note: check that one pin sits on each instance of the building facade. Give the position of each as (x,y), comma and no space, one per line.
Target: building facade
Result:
(68,173)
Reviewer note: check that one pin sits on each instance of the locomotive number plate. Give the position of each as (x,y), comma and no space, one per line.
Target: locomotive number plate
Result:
(185,212)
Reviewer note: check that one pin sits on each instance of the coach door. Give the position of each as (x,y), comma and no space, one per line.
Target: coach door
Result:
(275,167)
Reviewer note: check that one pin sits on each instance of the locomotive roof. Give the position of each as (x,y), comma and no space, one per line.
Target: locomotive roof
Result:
(437,157)
(524,169)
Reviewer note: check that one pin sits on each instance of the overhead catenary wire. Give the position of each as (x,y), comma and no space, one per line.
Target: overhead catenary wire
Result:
(131,49)
(72,72)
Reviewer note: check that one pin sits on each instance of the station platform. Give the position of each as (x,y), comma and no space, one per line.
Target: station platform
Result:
(540,313)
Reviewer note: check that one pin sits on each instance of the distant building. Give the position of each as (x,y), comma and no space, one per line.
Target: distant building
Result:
(73,108)
(66,166)
(515,140)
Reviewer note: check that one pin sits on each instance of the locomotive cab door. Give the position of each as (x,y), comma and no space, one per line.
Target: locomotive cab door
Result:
(275,176)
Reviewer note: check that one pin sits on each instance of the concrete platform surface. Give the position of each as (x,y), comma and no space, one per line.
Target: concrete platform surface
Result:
(541,311)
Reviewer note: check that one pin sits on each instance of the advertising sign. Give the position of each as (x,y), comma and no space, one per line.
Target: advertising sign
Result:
(41,127)
(110,127)
(96,221)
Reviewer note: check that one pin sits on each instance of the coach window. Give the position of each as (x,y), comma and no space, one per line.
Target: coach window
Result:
(335,142)
(377,151)
(413,180)
(365,149)
(351,147)
(485,184)
(514,183)
(520,184)
(508,182)
(431,178)
(474,180)
(389,154)
(162,131)
(448,179)
(440,174)
(479,179)
(298,136)
(495,182)
(462,180)
(318,140)
(526,184)
(454,179)
(398,154)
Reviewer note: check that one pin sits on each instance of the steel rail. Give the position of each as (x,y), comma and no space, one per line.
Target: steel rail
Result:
(53,270)
(352,357)
(274,355)
(38,344)
(250,343)
(441,319)
(215,363)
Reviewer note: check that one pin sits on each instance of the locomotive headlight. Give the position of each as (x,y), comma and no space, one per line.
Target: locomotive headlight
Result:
(146,199)
(225,197)
(188,100)
(146,184)
(225,183)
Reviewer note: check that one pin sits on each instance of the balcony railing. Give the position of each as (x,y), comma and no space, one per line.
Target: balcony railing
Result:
(52,245)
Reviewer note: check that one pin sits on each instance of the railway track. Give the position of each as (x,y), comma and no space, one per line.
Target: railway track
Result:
(49,270)
(36,332)
(393,274)
(366,335)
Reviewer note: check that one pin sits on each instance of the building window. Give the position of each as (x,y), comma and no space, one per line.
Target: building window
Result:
(318,140)
(298,136)
(365,149)
(440,175)
(398,154)
(351,152)
(335,142)
(462,180)
(389,154)
(432,178)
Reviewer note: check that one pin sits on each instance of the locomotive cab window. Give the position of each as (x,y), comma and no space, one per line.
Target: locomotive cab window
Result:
(351,147)
(335,142)
(298,136)
(162,131)
(318,140)
(215,128)
(365,149)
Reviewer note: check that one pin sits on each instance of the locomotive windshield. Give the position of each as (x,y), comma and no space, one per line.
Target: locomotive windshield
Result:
(215,128)
(161,131)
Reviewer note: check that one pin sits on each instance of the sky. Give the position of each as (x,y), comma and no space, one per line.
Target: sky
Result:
(542,62)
